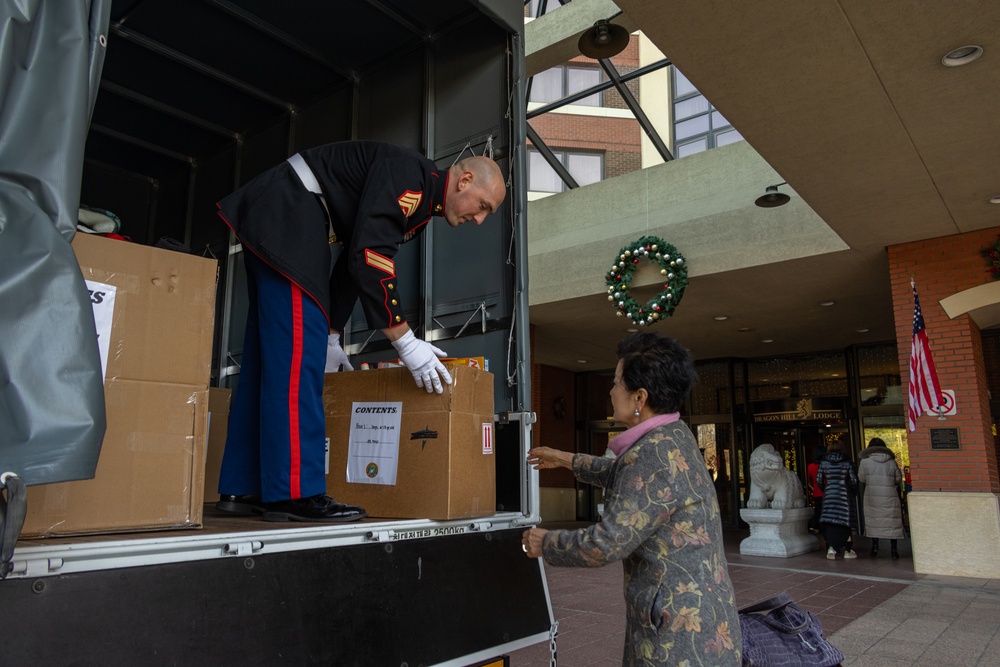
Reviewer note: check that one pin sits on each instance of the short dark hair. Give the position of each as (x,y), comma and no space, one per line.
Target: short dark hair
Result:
(661,366)
(876,442)
(819,451)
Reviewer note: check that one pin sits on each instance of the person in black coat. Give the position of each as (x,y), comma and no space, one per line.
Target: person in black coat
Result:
(839,481)
(320,231)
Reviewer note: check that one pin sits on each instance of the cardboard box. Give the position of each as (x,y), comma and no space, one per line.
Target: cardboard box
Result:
(160,308)
(164,309)
(151,473)
(218,425)
(445,464)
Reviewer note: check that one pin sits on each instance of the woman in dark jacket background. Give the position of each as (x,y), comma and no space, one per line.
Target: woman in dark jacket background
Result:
(839,482)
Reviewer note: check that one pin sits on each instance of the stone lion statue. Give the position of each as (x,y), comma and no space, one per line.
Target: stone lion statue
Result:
(771,483)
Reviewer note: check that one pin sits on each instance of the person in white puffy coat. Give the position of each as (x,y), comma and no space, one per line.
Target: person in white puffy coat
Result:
(880,474)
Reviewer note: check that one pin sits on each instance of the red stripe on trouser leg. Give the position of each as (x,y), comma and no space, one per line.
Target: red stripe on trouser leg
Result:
(295,453)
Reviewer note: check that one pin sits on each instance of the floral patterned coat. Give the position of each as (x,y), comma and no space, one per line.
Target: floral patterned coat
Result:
(662,520)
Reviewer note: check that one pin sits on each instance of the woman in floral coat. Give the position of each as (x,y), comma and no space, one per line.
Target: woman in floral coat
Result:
(661,517)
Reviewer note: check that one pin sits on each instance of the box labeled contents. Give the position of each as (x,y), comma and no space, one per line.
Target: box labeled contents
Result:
(443,467)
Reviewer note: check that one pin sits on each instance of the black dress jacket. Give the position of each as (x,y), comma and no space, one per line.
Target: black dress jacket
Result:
(379,196)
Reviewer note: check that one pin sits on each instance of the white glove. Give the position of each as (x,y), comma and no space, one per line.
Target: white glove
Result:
(422,359)
(335,355)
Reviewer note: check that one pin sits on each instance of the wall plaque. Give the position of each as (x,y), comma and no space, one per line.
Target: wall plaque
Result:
(944,438)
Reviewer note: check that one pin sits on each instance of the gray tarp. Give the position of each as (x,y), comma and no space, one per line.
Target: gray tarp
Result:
(51,393)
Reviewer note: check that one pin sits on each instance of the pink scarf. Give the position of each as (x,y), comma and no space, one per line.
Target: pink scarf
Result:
(621,442)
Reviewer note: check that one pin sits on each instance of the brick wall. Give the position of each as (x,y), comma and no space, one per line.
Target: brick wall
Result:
(617,138)
(941,267)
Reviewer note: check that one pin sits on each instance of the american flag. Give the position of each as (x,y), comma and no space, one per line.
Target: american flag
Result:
(925,392)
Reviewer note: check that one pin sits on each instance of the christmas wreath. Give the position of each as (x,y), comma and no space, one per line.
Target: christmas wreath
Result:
(672,268)
(992,254)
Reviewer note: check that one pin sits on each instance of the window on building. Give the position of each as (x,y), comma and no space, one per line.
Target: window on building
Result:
(559,82)
(697,125)
(586,168)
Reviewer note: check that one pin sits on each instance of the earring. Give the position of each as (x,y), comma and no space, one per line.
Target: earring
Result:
(637,411)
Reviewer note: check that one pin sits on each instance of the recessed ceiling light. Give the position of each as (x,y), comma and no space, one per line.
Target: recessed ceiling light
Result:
(963,55)
(721,318)
(632,330)
(827,303)
(995,200)
(835,375)
(862,330)
(581,361)
(744,329)
(767,340)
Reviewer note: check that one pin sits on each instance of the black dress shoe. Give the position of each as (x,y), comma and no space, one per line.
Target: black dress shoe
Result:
(242,505)
(321,508)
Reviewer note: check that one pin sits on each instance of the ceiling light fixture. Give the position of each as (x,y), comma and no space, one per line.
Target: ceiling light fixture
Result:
(862,330)
(721,318)
(744,329)
(581,361)
(767,340)
(772,198)
(604,40)
(995,200)
(827,303)
(632,330)
(963,55)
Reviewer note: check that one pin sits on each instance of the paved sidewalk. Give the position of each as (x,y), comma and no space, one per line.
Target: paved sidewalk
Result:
(877,611)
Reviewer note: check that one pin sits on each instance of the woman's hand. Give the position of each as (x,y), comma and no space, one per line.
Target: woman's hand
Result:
(544,458)
(531,542)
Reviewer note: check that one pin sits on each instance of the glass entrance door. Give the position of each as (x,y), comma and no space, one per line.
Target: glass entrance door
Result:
(716,444)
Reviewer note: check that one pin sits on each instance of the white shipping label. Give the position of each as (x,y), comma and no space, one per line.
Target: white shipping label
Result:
(373,450)
(102,299)
(488,438)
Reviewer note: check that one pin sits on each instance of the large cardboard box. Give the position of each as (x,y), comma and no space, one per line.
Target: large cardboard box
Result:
(445,463)
(151,472)
(158,352)
(164,309)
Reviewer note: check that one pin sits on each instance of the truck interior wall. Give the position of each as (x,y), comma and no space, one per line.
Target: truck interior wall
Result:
(131,197)
(445,97)
(170,216)
(391,101)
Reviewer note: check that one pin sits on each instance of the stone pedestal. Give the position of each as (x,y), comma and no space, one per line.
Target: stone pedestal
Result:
(778,533)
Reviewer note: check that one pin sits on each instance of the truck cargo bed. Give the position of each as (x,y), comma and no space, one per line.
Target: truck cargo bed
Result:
(249,592)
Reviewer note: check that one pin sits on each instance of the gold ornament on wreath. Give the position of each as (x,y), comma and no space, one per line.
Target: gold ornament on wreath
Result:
(673,272)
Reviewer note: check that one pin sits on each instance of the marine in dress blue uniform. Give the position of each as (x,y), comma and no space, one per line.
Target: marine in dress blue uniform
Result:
(367,198)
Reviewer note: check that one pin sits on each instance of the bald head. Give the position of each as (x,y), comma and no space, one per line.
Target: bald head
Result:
(475,189)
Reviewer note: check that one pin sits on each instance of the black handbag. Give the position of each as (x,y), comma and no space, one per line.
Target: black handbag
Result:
(779,633)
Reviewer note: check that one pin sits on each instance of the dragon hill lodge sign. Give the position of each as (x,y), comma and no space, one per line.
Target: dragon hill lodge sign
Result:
(803,409)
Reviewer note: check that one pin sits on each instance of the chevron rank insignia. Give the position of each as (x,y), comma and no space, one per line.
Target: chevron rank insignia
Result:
(409,201)
(377,261)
